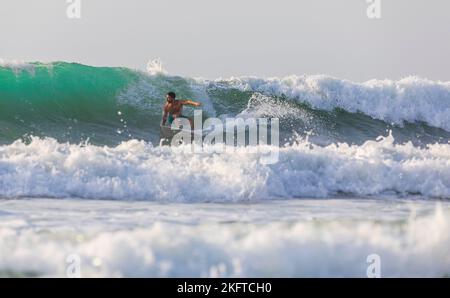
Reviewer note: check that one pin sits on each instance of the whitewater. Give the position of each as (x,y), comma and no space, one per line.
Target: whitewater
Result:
(363,169)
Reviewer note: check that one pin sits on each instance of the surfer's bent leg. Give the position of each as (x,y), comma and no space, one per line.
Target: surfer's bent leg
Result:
(170,119)
(190,120)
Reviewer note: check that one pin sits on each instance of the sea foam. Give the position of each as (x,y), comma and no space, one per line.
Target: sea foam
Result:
(136,170)
(133,242)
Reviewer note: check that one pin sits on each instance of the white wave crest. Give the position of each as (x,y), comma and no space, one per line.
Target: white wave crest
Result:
(18,66)
(136,170)
(155,67)
(410,99)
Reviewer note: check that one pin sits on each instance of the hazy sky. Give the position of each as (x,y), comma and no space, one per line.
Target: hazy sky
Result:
(212,38)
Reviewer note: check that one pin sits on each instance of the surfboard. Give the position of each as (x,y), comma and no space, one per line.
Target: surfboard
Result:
(167,133)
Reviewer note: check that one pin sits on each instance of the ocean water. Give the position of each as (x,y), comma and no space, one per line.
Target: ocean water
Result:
(301,238)
(363,169)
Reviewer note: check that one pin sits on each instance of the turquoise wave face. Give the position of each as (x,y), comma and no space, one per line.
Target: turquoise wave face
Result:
(105,105)
(73,102)
(66,101)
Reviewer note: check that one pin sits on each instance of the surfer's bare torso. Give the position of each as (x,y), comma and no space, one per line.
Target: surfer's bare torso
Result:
(173,108)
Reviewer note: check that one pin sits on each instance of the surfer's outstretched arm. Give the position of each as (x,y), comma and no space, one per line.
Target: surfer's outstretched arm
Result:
(190,103)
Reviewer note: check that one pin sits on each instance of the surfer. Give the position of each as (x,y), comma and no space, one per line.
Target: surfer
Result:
(173,109)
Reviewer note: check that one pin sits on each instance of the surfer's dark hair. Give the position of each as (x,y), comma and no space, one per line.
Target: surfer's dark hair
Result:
(172,94)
